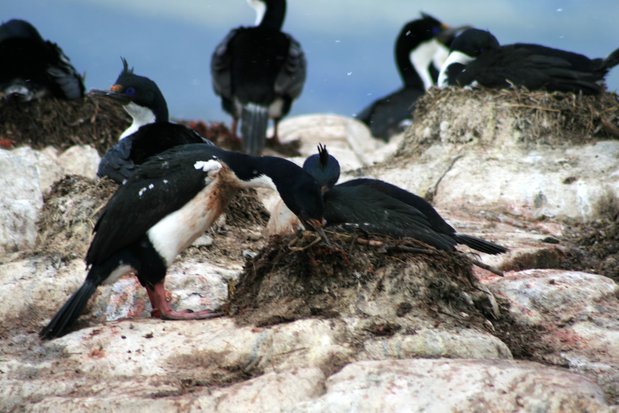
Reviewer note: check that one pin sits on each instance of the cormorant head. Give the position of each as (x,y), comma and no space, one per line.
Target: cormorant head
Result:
(139,94)
(19,29)
(474,42)
(323,167)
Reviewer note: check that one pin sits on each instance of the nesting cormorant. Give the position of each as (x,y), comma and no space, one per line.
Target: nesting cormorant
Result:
(380,207)
(477,58)
(420,50)
(150,133)
(258,72)
(33,67)
(168,202)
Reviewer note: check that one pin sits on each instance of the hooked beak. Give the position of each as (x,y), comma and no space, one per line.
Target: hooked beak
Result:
(113,92)
(448,33)
(317,225)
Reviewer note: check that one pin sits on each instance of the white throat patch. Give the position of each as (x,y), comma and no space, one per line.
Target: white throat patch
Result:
(141,116)
(260,7)
(421,57)
(454,57)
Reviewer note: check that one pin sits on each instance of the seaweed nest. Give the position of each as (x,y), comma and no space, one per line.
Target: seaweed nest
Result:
(93,121)
(596,243)
(74,203)
(396,282)
(69,213)
(511,116)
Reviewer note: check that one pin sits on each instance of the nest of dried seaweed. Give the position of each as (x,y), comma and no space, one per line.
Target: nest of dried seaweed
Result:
(511,116)
(93,121)
(299,276)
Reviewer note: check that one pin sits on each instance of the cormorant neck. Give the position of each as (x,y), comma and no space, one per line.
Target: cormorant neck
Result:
(409,75)
(141,116)
(160,108)
(274,15)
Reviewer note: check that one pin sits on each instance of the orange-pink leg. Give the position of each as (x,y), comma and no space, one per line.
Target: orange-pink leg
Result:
(161,307)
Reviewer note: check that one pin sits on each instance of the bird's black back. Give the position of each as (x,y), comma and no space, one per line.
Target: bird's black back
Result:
(160,186)
(433,218)
(376,211)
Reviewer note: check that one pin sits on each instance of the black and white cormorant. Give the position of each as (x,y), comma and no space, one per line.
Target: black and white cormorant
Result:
(477,58)
(33,67)
(168,202)
(380,207)
(150,133)
(420,50)
(258,72)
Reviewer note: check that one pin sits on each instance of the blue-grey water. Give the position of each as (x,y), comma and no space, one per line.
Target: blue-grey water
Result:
(348,43)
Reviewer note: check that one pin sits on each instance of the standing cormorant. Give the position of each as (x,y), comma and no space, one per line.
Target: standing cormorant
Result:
(168,202)
(258,72)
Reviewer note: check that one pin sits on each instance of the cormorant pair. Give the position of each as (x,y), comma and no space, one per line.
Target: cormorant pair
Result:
(420,50)
(477,58)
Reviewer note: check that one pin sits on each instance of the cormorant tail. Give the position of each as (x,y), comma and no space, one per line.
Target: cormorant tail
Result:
(70,311)
(612,60)
(254,121)
(480,244)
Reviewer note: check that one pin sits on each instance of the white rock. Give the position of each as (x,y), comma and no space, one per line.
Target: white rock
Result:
(80,160)
(540,295)
(456,385)
(347,139)
(20,199)
(564,182)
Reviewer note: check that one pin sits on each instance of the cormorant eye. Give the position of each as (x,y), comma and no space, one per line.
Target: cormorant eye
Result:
(130,91)
(436,30)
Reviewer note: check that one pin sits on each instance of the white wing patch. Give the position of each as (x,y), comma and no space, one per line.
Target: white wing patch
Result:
(208,166)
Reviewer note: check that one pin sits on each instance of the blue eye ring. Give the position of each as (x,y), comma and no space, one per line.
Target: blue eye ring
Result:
(130,91)
(436,30)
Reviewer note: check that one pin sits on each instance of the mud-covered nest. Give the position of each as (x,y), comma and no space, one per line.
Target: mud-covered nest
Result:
(93,121)
(528,118)
(299,276)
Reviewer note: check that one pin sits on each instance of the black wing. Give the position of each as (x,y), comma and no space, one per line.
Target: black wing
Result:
(120,161)
(418,203)
(69,84)
(158,187)
(385,116)
(378,212)
(291,78)
(534,68)
(221,67)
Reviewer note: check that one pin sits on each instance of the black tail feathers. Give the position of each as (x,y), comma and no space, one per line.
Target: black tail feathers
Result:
(480,244)
(70,311)
(612,60)
(254,121)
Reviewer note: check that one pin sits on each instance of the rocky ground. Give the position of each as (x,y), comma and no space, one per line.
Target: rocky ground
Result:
(367,323)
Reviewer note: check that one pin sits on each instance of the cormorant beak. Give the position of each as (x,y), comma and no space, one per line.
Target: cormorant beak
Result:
(113,92)
(448,33)
(317,225)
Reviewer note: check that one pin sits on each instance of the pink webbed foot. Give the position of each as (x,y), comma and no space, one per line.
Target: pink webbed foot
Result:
(160,301)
